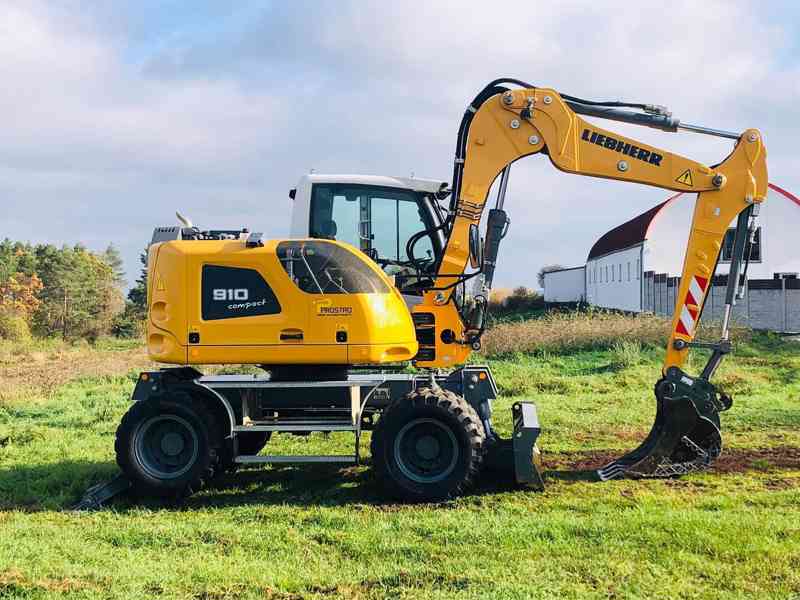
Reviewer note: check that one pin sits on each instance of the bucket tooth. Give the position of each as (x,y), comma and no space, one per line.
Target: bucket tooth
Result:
(685,436)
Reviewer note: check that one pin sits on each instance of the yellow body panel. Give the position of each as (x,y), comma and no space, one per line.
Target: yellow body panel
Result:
(310,328)
(446,317)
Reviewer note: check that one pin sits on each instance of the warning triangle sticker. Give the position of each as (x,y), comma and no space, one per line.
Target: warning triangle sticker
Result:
(686,178)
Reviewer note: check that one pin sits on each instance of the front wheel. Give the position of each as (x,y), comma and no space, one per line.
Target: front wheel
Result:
(428,446)
(167,447)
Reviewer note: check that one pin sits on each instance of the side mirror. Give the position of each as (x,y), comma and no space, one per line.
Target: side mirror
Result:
(475,247)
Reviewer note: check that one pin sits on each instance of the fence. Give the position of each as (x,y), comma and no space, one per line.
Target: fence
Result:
(771,304)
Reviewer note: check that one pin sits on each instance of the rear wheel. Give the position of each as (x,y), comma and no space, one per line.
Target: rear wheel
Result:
(428,446)
(167,447)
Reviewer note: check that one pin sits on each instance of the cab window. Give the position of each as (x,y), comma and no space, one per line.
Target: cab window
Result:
(377,220)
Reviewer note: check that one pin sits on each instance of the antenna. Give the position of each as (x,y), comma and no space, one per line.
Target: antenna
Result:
(186,222)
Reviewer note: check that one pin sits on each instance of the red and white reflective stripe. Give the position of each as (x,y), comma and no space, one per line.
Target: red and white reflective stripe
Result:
(694,297)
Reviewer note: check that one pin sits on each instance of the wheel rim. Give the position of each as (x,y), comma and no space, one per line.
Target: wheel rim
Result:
(426,450)
(166,446)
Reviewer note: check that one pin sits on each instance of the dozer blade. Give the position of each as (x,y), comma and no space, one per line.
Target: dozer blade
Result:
(518,458)
(686,433)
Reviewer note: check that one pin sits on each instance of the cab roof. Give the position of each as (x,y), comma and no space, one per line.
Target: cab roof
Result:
(428,186)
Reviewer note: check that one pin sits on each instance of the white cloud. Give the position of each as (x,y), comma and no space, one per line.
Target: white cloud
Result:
(220,125)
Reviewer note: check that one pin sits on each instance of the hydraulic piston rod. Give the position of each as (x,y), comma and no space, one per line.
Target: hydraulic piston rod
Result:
(501,193)
(708,131)
(658,120)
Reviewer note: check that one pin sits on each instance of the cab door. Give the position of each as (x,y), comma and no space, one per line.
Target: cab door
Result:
(379,221)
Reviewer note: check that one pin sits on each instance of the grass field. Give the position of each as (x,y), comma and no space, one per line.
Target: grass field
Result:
(319,532)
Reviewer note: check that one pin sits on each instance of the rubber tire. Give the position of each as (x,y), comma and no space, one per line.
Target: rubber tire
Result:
(208,439)
(252,442)
(448,409)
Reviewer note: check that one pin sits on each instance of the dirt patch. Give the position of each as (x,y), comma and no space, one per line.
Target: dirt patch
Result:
(36,375)
(14,582)
(736,460)
(583,460)
(780,484)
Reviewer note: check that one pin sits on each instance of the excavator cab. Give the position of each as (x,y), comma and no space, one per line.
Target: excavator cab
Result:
(396,221)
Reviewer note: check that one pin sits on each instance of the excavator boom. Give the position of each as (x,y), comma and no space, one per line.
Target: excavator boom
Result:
(503,125)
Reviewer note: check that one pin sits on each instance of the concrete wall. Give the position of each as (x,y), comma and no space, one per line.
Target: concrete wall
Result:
(614,280)
(770,304)
(566,285)
(793,305)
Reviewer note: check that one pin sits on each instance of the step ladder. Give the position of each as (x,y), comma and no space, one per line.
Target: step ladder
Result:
(311,423)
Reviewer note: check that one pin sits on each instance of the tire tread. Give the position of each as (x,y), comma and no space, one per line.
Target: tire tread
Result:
(447,402)
(143,409)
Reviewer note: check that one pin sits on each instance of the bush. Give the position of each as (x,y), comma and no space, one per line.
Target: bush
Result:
(520,300)
(13,327)
(128,324)
(627,353)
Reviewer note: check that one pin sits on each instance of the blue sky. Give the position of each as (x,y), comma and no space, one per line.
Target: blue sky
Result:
(118,115)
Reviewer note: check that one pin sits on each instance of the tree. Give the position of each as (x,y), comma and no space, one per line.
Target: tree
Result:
(18,302)
(16,257)
(137,295)
(113,259)
(19,294)
(131,322)
(546,269)
(80,297)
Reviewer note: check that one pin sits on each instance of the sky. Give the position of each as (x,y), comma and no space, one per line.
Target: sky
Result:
(120,113)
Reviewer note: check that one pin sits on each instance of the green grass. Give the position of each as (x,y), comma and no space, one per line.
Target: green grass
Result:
(318,532)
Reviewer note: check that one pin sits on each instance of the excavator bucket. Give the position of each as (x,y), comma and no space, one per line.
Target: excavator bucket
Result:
(685,436)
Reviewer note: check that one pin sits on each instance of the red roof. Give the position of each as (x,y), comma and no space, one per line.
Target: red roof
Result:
(782,191)
(635,231)
(629,233)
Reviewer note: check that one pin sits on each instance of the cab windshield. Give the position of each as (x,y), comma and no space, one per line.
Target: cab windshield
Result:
(377,220)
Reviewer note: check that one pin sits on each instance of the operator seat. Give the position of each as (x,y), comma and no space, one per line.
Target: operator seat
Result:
(328,230)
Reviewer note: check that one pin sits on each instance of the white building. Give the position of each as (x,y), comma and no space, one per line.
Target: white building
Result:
(617,261)
(565,285)
(654,243)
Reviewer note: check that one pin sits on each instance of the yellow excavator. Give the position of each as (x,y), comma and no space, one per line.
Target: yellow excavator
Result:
(335,325)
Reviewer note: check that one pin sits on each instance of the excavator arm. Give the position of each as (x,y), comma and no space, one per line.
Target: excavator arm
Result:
(503,125)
